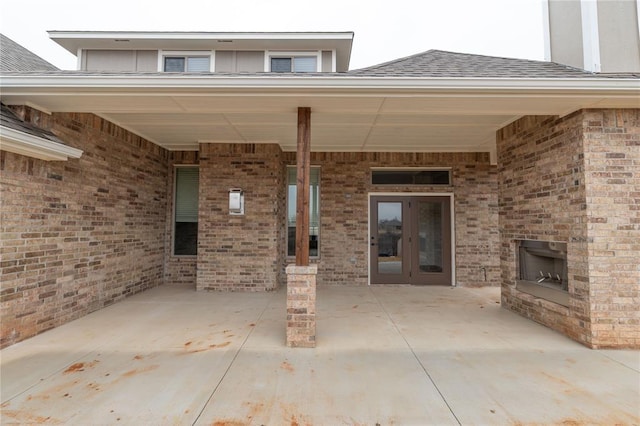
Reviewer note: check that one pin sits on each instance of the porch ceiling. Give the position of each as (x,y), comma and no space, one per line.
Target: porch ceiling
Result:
(426,116)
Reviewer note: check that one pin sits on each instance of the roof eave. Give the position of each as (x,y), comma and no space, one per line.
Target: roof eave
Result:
(147,83)
(22,143)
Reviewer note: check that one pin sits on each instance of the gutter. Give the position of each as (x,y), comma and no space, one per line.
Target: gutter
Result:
(22,143)
(147,83)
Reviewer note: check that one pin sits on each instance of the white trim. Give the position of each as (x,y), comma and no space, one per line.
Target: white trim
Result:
(160,60)
(546,30)
(451,196)
(22,143)
(145,84)
(493,155)
(212,61)
(334,59)
(590,35)
(80,58)
(638,17)
(195,35)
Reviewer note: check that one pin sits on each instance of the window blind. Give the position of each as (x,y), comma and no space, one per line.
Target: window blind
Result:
(187,182)
(305,64)
(198,64)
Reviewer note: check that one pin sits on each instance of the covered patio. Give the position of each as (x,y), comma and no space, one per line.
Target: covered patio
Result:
(384,355)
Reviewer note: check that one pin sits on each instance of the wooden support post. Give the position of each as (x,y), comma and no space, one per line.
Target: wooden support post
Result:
(303,168)
(301,277)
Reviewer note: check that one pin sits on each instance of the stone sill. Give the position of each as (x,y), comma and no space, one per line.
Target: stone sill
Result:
(302,270)
(552,295)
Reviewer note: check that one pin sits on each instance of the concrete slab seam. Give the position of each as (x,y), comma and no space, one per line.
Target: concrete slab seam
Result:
(233,360)
(415,355)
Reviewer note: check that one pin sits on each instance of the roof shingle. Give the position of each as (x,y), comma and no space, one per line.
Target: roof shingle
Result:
(439,63)
(10,120)
(14,57)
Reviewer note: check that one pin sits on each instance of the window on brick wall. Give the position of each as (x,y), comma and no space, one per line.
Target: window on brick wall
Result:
(185,230)
(314,211)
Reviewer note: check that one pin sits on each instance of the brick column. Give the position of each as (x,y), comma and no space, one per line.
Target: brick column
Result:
(301,306)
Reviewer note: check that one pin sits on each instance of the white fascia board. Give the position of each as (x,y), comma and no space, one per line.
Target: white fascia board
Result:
(96,84)
(33,146)
(186,35)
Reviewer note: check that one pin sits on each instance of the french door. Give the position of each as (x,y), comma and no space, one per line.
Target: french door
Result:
(410,240)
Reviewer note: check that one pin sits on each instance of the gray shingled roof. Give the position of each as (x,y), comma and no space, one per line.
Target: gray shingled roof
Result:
(14,57)
(10,120)
(439,63)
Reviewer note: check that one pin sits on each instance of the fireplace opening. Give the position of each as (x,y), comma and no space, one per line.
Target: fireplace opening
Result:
(542,269)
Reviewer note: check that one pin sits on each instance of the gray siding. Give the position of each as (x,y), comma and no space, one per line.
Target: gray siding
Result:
(619,40)
(109,60)
(249,61)
(565,26)
(327,60)
(147,60)
(225,61)
(120,60)
(239,61)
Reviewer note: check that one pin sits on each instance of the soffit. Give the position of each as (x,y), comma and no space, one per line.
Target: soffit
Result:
(343,118)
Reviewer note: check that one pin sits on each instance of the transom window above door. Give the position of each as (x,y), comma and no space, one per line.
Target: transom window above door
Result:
(384,176)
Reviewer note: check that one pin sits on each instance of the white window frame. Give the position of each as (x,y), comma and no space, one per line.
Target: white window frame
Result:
(290,54)
(211,54)
(334,55)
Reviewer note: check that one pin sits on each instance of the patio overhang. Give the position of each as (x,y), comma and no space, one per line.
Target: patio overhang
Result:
(349,113)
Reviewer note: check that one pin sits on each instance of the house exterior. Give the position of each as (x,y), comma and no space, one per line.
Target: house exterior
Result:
(435,169)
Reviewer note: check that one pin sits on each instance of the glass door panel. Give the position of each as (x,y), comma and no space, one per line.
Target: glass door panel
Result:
(429,236)
(389,238)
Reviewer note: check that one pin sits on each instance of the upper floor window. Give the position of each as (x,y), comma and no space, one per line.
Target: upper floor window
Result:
(180,63)
(293,63)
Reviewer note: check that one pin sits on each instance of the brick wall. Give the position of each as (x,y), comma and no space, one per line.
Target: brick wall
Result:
(81,234)
(241,252)
(344,188)
(612,175)
(575,179)
(542,198)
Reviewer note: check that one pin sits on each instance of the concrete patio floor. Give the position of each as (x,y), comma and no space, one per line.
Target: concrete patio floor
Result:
(386,355)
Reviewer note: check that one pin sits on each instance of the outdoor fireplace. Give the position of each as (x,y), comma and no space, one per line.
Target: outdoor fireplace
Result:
(542,270)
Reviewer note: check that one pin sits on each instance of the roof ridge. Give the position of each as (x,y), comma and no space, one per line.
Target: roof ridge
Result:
(393,61)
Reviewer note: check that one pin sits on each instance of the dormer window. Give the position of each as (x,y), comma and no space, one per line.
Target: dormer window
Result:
(293,61)
(186,62)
